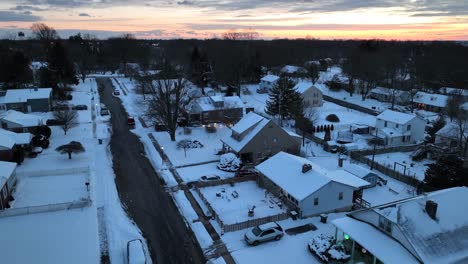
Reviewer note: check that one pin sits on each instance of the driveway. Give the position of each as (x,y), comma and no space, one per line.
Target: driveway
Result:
(142,193)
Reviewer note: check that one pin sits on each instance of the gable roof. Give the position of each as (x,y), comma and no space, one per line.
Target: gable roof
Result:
(435,241)
(357,170)
(6,170)
(18,138)
(386,91)
(395,117)
(438,100)
(6,142)
(285,170)
(292,69)
(451,130)
(270,78)
(23,95)
(301,87)
(25,120)
(250,121)
(205,103)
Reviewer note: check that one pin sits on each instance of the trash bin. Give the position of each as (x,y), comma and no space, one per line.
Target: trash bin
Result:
(323,218)
(100,141)
(293,215)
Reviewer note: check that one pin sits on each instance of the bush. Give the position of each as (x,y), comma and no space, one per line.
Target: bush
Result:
(229,162)
(69,97)
(332,118)
(44,131)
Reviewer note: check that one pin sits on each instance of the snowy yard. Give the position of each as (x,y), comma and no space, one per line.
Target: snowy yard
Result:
(211,145)
(193,173)
(404,159)
(233,210)
(43,190)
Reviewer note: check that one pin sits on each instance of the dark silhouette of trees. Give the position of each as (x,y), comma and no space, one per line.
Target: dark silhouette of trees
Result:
(447,172)
(14,69)
(284,101)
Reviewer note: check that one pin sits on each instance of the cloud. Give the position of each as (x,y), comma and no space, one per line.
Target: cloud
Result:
(84,15)
(185,2)
(14,16)
(26,8)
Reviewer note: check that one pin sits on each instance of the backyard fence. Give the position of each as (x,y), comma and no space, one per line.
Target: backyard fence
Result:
(45,208)
(225,181)
(311,137)
(241,225)
(358,156)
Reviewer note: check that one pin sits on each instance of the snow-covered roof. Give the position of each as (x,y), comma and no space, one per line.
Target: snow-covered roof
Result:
(36,65)
(464,106)
(285,170)
(23,95)
(270,78)
(357,170)
(301,87)
(250,121)
(206,102)
(385,91)
(451,91)
(233,102)
(379,244)
(438,100)
(451,130)
(395,117)
(6,170)
(18,138)
(25,120)
(435,241)
(292,69)
(6,142)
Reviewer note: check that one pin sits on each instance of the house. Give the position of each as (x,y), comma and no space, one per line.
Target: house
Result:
(7,182)
(383,94)
(464,106)
(397,128)
(7,147)
(268,81)
(215,109)
(449,135)
(18,122)
(430,228)
(455,91)
(311,95)
(293,71)
(362,173)
(307,187)
(430,102)
(255,138)
(20,139)
(28,100)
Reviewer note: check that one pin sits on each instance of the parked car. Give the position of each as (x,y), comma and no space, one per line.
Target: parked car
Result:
(80,107)
(131,121)
(54,122)
(262,233)
(262,90)
(135,252)
(116,92)
(104,112)
(210,178)
(246,172)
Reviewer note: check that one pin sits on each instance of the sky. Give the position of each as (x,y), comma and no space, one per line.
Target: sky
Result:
(166,19)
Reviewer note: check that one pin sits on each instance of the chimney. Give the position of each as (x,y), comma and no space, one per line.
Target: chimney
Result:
(431,209)
(306,168)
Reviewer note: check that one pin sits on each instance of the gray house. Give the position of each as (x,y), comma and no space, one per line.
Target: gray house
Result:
(255,138)
(306,187)
(383,94)
(28,100)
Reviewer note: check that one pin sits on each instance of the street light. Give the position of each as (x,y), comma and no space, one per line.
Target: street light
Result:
(162,159)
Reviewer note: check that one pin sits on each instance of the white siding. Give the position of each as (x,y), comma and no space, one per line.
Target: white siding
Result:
(328,199)
(418,126)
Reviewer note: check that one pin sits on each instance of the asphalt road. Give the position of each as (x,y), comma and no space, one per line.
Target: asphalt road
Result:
(141,191)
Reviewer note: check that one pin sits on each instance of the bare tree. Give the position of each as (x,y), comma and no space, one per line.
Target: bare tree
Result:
(453,106)
(168,96)
(462,124)
(67,118)
(72,147)
(184,144)
(43,32)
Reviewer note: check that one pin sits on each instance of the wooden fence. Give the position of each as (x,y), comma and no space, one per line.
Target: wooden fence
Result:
(45,208)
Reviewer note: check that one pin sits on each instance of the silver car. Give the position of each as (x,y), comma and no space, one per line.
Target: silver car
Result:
(262,233)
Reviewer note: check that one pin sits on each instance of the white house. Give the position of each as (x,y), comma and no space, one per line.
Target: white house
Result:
(19,122)
(7,182)
(268,81)
(28,100)
(430,228)
(307,187)
(397,128)
(430,102)
(311,95)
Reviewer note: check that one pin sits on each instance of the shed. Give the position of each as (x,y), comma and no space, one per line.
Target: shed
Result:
(363,173)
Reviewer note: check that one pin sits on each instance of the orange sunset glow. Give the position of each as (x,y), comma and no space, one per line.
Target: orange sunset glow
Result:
(339,19)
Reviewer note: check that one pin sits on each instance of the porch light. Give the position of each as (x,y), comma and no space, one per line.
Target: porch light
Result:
(346,236)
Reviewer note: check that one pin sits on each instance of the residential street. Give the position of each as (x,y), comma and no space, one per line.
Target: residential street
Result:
(142,193)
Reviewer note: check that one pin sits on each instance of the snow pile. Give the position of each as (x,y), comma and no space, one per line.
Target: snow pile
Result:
(322,246)
(229,162)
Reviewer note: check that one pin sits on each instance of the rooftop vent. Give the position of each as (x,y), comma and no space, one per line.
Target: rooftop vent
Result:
(431,209)
(306,168)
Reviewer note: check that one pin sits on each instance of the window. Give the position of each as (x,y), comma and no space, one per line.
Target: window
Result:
(408,128)
(403,139)
(340,196)
(316,201)
(385,224)
(397,126)
(385,124)
(275,139)
(265,141)
(268,232)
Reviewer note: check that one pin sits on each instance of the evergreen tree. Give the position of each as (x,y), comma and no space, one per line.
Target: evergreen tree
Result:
(447,172)
(60,69)
(14,69)
(284,101)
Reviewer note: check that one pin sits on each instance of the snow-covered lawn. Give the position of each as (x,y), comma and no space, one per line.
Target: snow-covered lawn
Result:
(290,249)
(347,116)
(211,145)
(42,190)
(416,170)
(193,173)
(233,210)
(69,236)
